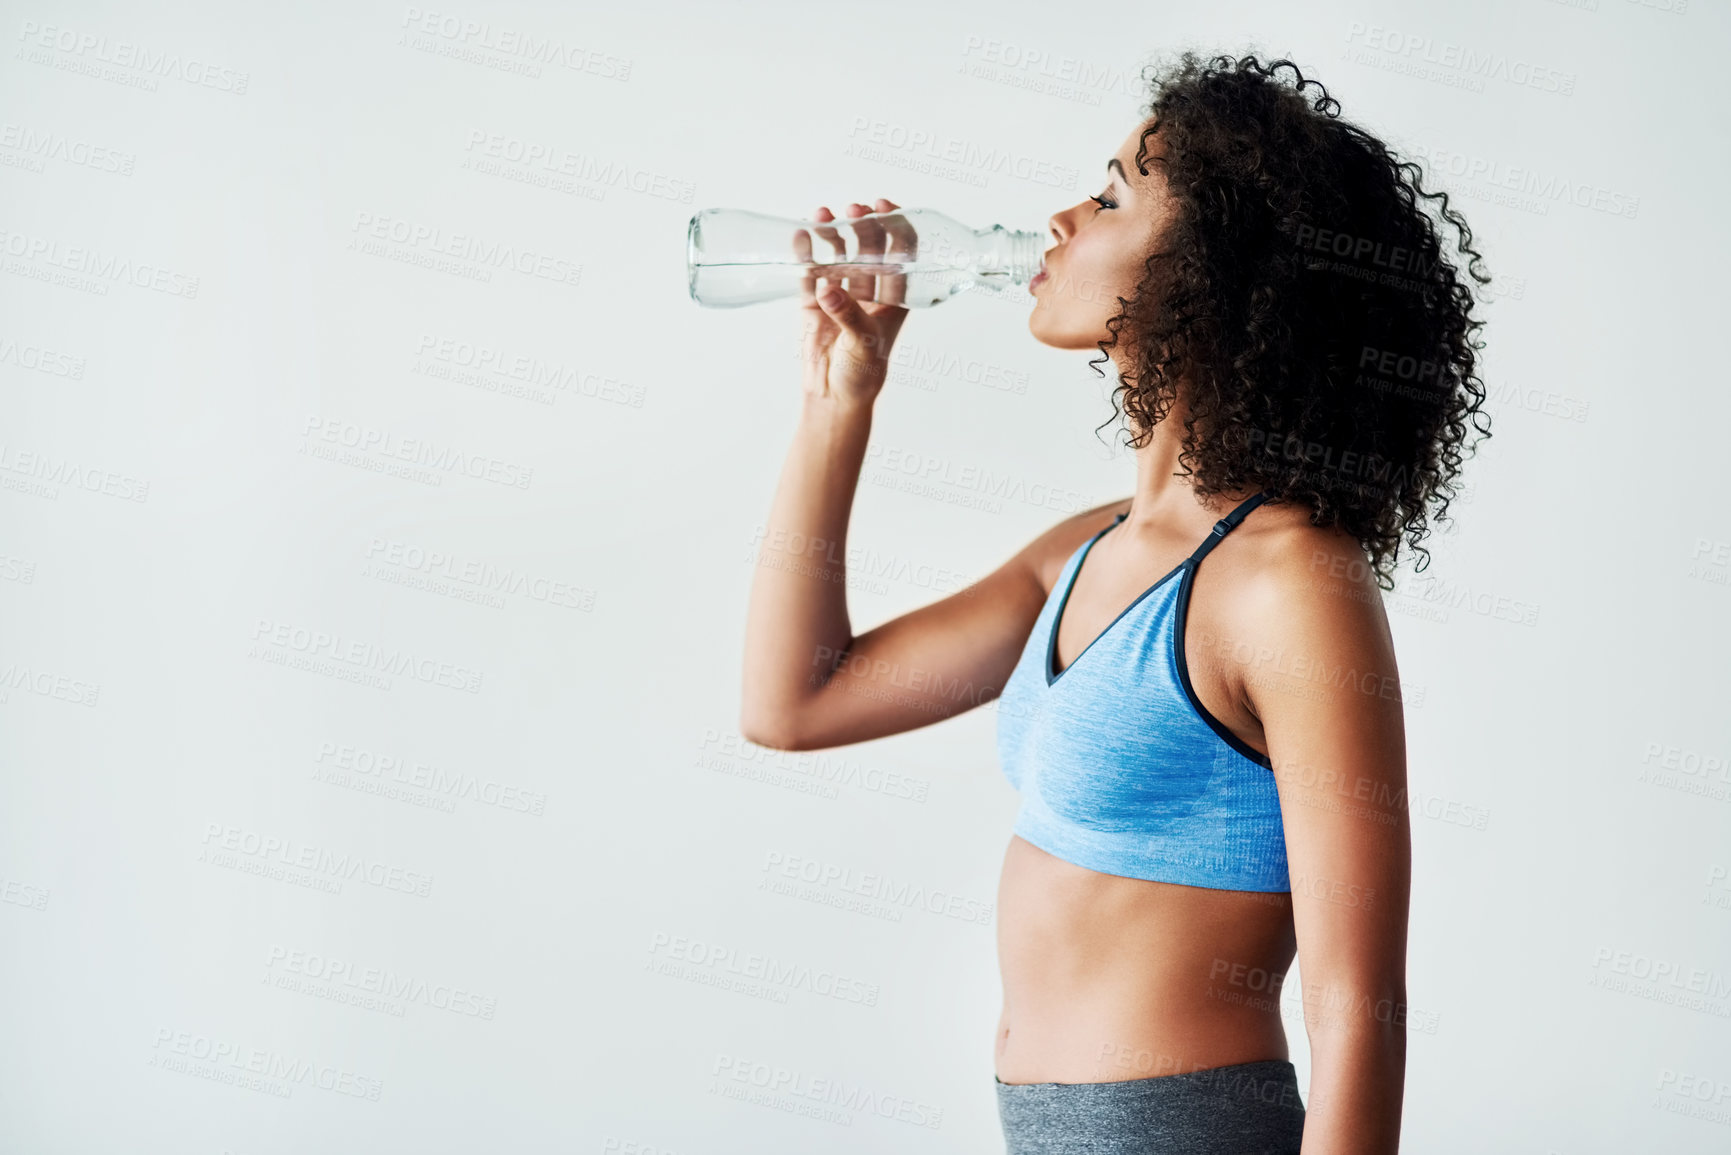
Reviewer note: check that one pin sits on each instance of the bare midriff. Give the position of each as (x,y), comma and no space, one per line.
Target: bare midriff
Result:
(1109,978)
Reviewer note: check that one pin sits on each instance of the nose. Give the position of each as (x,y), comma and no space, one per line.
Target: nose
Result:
(1060,227)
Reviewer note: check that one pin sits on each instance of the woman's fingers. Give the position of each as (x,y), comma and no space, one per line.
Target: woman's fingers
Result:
(837,246)
(808,279)
(861,286)
(877,242)
(901,247)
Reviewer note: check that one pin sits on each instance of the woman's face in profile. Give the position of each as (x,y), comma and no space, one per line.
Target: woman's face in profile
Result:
(1099,250)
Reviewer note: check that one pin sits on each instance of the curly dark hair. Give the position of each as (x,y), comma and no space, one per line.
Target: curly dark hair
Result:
(1302,298)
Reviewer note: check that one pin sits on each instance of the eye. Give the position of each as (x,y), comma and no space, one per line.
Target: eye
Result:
(1103,202)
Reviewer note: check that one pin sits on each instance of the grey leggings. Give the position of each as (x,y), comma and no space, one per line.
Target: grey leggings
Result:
(1244,1109)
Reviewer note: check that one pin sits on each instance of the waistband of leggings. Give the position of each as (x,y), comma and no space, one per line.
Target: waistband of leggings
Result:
(1228,1079)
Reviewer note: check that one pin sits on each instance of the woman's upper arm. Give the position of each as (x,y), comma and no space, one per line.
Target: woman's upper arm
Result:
(1328,696)
(1323,683)
(939,660)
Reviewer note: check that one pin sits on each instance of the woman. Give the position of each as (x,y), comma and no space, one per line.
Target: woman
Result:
(1211,757)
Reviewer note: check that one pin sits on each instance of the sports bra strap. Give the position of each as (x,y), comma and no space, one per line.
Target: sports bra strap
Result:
(1227,524)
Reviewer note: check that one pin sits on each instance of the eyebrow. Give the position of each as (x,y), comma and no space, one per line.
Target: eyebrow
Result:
(1113,164)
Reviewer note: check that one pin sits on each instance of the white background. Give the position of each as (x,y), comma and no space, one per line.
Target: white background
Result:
(187,305)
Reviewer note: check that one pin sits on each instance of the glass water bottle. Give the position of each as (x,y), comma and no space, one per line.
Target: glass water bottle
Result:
(912,257)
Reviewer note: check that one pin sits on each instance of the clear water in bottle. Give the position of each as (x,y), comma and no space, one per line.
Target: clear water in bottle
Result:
(912,257)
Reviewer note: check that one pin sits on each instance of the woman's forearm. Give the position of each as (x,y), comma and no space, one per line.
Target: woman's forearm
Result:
(1357,1075)
(797,621)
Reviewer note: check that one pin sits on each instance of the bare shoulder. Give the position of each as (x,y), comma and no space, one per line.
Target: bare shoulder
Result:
(1315,576)
(1046,554)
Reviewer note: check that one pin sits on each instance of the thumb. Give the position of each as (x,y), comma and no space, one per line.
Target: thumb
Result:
(841,306)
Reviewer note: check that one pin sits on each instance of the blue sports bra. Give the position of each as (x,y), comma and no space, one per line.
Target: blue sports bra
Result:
(1121,768)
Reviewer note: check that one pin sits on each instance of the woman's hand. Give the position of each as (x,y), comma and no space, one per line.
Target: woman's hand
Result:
(850,327)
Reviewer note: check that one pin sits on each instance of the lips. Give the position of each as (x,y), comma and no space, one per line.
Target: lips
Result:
(1039,276)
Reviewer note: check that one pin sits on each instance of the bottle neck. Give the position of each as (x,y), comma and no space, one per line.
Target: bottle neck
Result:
(1015,254)
(1027,250)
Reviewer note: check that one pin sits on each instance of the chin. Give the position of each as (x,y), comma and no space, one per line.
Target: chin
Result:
(1041,327)
(1035,326)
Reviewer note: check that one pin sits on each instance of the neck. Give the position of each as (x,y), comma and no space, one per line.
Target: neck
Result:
(1162,495)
